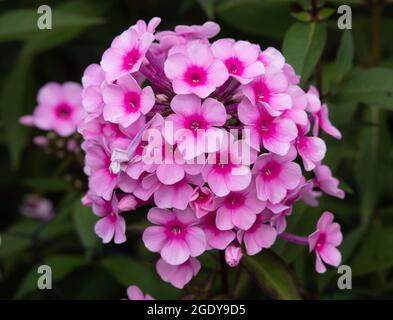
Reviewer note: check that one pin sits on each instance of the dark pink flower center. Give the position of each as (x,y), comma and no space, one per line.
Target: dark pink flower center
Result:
(63,111)
(271,171)
(131,58)
(235,200)
(132,101)
(234,66)
(195,76)
(112,218)
(261,92)
(195,122)
(320,242)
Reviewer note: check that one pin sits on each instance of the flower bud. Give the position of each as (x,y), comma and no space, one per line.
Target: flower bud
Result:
(127,203)
(233,254)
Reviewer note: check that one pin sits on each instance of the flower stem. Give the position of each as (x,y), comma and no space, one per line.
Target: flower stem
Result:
(294,238)
(224,273)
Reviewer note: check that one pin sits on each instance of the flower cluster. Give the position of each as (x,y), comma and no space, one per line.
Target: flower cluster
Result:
(216,136)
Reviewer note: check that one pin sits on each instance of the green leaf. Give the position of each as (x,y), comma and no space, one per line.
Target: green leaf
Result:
(61,266)
(345,54)
(303,46)
(84,221)
(128,271)
(272,274)
(51,184)
(372,86)
(302,16)
(374,254)
(21,24)
(257,17)
(325,13)
(207,7)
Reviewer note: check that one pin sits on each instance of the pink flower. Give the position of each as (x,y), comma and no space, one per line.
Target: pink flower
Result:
(311,149)
(111,225)
(270,93)
(275,176)
(226,170)
(38,208)
(326,182)
(258,237)
(134,293)
(216,238)
(208,30)
(177,195)
(324,241)
(125,101)
(240,58)
(175,235)
(194,124)
(59,108)
(272,59)
(27,120)
(178,275)
(322,121)
(202,201)
(126,54)
(313,102)
(275,134)
(195,70)
(92,79)
(238,209)
(233,255)
(127,203)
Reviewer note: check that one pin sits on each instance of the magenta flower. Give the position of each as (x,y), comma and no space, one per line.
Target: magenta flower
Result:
(275,176)
(311,149)
(175,235)
(238,209)
(240,58)
(233,255)
(270,93)
(324,241)
(134,293)
(202,201)
(216,238)
(275,134)
(59,108)
(125,101)
(322,121)
(111,225)
(178,275)
(259,236)
(326,182)
(194,124)
(195,70)
(126,54)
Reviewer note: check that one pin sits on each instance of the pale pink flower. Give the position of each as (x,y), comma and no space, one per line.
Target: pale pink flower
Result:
(178,275)
(175,235)
(27,120)
(134,293)
(92,80)
(238,209)
(177,195)
(202,201)
(298,112)
(111,225)
(269,92)
(216,238)
(322,121)
(126,54)
(240,59)
(194,124)
(324,241)
(290,73)
(127,203)
(311,149)
(272,59)
(41,141)
(259,236)
(125,101)
(275,176)
(195,70)
(313,101)
(233,255)
(59,108)
(36,207)
(275,133)
(141,27)
(326,182)
(208,30)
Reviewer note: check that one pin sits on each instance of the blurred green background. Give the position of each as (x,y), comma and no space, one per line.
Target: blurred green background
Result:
(352,68)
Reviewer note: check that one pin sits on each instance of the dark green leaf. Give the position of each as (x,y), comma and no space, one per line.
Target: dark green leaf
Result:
(325,13)
(345,54)
(272,274)
(84,221)
(301,16)
(303,45)
(47,184)
(257,17)
(208,7)
(61,266)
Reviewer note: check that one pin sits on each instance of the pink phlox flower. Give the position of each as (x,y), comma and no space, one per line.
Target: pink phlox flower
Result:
(240,59)
(313,101)
(272,59)
(202,201)
(196,70)
(216,238)
(326,182)
(324,241)
(233,255)
(134,293)
(178,275)
(36,207)
(175,235)
(322,121)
